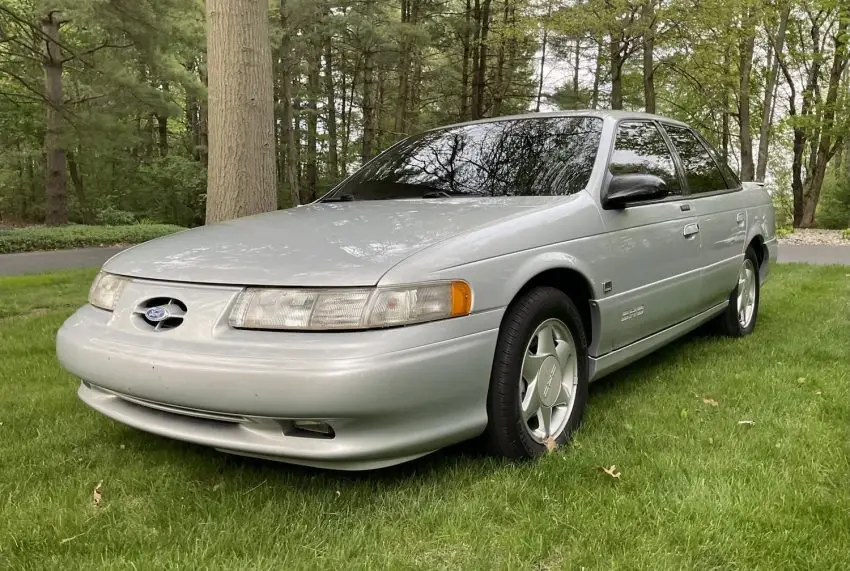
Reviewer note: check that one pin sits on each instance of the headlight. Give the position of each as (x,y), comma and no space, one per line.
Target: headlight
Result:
(105,290)
(361,308)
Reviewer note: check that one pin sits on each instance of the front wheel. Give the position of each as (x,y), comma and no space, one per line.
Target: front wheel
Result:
(538,385)
(739,319)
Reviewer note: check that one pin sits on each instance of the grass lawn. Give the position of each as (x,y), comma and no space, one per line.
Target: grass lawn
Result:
(698,490)
(33,238)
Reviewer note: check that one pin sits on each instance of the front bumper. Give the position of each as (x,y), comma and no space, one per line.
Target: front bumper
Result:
(389,395)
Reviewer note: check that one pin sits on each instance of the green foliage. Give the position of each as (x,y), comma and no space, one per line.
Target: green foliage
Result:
(35,238)
(834,204)
(784,231)
(845,234)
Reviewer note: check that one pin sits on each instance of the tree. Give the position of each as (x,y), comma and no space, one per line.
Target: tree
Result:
(242,177)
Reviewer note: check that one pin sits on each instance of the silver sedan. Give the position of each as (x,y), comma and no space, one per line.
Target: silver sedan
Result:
(470,280)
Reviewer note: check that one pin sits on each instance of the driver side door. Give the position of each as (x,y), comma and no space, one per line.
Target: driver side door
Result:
(651,254)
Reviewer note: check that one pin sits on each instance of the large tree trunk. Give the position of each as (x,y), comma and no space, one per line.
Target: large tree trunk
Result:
(56,179)
(745,69)
(648,16)
(825,149)
(285,78)
(769,89)
(242,177)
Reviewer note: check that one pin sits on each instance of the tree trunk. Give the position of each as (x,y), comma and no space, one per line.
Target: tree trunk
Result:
(616,73)
(745,68)
(287,130)
(542,54)
(479,57)
(311,167)
(80,190)
(162,127)
(597,74)
(464,74)
(648,15)
(56,203)
(242,178)
(576,67)
(368,105)
(769,89)
(826,150)
(399,124)
(333,157)
(726,134)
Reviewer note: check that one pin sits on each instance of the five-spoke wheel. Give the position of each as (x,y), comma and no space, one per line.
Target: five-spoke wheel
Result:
(538,386)
(547,384)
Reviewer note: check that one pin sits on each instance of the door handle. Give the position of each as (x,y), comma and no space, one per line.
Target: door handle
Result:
(690,230)
(740,218)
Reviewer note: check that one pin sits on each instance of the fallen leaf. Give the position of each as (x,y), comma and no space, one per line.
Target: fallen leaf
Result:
(710,401)
(612,471)
(801,380)
(550,444)
(683,413)
(122,447)
(816,392)
(217,487)
(97,495)
(747,422)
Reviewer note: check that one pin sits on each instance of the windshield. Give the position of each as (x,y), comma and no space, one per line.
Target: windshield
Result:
(522,157)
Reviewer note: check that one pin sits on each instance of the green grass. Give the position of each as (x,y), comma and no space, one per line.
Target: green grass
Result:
(698,489)
(35,238)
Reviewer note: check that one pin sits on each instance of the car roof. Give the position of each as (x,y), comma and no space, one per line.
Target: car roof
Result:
(601,113)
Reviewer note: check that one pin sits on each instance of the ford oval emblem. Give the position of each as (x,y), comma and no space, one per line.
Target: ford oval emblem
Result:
(156,314)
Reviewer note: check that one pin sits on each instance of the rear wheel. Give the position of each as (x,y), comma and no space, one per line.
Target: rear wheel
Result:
(538,385)
(740,316)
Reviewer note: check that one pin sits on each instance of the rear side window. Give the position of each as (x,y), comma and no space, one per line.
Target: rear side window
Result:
(701,170)
(640,148)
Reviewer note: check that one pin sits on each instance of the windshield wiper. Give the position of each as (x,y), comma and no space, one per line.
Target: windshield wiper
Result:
(339,198)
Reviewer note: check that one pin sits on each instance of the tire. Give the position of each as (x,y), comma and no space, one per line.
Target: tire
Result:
(524,330)
(733,322)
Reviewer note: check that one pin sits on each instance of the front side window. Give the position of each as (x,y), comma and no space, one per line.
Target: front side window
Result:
(641,149)
(701,171)
(526,157)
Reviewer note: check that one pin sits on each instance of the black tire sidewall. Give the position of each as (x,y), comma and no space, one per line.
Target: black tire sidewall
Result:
(506,431)
(733,326)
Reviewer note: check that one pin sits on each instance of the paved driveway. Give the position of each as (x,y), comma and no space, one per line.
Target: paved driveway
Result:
(33,262)
(815,254)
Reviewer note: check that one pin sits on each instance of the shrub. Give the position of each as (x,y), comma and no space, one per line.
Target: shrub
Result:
(845,234)
(34,238)
(784,231)
(834,205)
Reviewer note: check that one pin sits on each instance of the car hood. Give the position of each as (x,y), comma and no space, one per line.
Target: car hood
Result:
(322,244)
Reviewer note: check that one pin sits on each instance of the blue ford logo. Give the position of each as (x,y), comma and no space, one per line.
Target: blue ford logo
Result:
(156,314)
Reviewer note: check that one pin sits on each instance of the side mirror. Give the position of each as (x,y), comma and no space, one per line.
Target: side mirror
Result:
(625,188)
